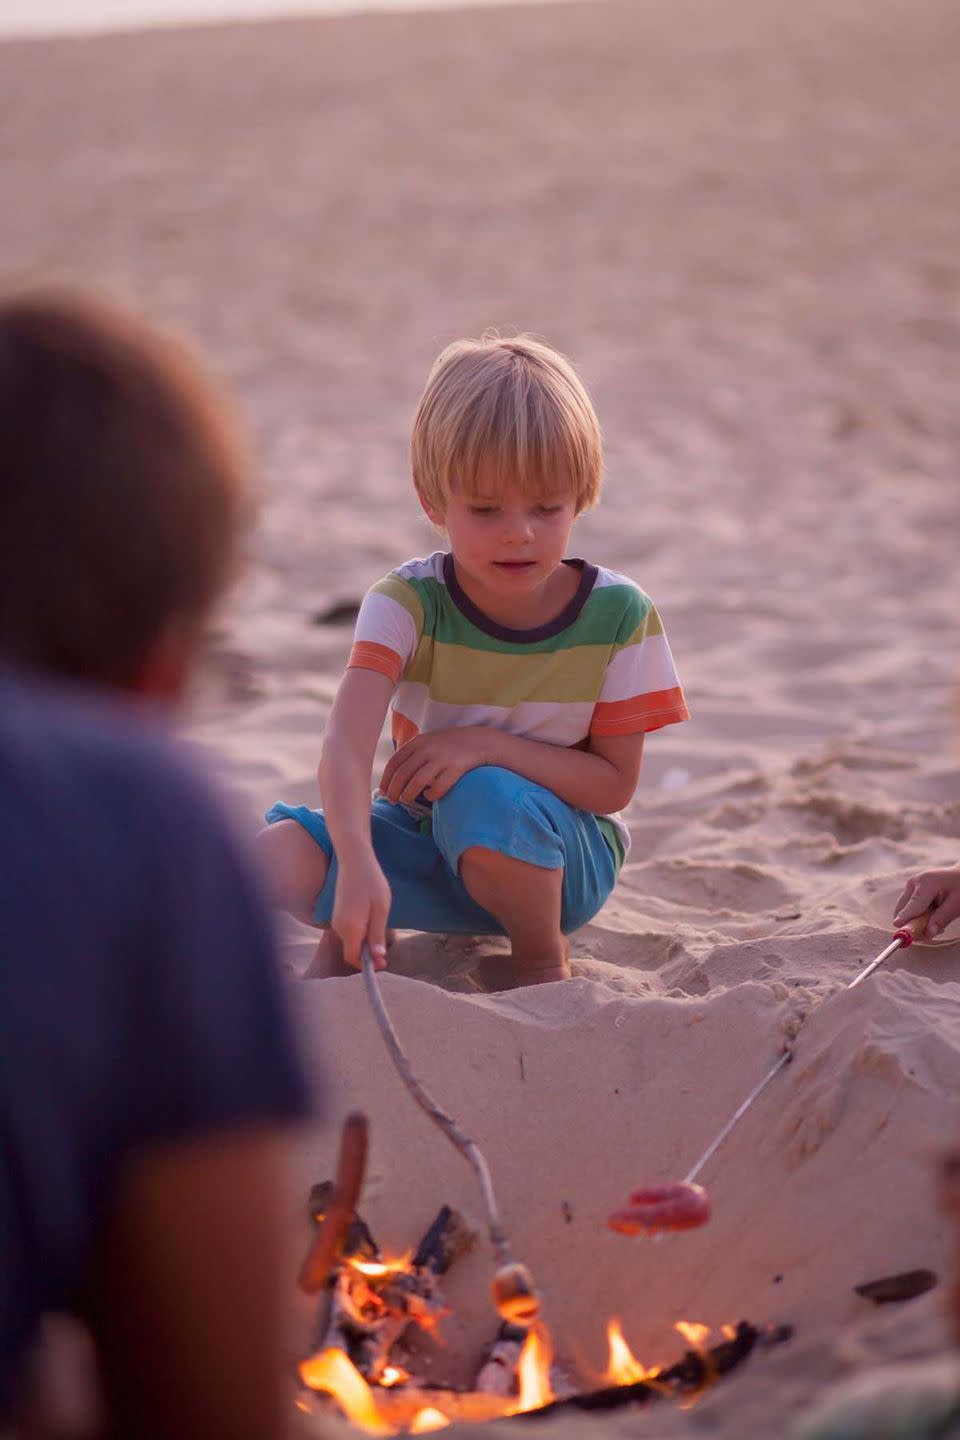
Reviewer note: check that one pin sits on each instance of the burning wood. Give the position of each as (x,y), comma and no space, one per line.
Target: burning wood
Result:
(697,1370)
(498,1373)
(370,1302)
(387,1411)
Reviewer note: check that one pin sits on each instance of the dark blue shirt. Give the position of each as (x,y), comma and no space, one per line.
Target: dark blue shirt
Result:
(139,1002)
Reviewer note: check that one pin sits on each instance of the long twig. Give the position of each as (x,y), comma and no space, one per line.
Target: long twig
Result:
(440,1118)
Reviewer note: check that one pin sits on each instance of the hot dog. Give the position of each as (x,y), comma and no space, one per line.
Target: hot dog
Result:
(678,1206)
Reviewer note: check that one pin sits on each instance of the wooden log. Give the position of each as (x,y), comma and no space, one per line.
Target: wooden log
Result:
(690,1374)
(498,1373)
(359,1244)
(445,1241)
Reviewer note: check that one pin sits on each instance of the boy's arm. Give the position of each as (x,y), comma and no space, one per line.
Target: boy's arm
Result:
(346,764)
(600,779)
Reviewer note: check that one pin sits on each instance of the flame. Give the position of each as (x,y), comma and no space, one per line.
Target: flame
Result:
(393,1375)
(729,1332)
(377,1269)
(427,1419)
(694,1334)
(533,1370)
(332,1370)
(623,1367)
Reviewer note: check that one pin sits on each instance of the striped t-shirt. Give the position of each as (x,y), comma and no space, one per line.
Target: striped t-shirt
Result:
(601,667)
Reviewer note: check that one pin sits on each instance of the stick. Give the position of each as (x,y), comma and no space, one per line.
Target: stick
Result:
(450,1128)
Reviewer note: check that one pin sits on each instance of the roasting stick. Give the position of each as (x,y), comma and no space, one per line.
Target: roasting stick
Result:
(683,1205)
(514,1294)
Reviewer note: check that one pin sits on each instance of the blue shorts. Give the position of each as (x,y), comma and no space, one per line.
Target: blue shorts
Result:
(488,807)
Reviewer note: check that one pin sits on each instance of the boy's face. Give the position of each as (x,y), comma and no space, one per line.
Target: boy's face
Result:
(506,542)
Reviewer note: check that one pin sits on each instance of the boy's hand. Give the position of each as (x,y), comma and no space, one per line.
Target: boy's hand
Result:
(936,890)
(360,911)
(431,764)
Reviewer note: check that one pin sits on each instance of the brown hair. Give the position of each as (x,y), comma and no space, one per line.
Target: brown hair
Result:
(122,486)
(507,412)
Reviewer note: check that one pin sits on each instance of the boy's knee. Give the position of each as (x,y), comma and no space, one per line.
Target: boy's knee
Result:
(482,863)
(294,865)
(495,817)
(485,788)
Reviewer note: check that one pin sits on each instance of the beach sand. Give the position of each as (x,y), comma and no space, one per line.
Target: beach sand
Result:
(739,218)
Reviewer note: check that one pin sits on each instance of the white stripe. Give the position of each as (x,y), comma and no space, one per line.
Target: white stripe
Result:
(427,568)
(612,577)
(553,723)
(384,621)
(639,669)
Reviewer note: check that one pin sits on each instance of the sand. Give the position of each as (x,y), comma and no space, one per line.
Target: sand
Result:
(740,220)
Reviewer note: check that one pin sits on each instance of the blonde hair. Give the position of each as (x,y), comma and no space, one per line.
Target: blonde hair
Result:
(498,412)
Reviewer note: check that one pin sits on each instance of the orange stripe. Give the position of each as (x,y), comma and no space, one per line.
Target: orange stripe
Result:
(402,729)
(367,655)
(639,713)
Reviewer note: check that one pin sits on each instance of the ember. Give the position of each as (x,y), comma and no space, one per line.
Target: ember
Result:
(370,1304)
(516,1377)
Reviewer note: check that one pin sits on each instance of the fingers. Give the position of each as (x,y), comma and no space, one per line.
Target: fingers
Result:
(938,891)
(904,900)
(410,780)
(377,935)
(365,926)
(402,763)
(920,893)
(352,941)
(946,912)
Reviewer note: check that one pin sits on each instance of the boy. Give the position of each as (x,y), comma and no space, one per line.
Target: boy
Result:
(522,684)
(146,1077)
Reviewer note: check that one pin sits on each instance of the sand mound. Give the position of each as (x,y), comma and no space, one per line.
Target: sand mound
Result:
(740,220)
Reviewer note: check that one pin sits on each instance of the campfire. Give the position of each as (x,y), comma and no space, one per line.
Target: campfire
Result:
(372,1310)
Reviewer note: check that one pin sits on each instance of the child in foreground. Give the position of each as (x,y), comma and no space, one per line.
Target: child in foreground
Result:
(521,684)
(147,1079)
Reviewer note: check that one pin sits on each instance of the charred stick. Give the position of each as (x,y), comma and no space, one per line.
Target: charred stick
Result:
(691,1373)
(498,1373)
(447,1239)
(359,1243)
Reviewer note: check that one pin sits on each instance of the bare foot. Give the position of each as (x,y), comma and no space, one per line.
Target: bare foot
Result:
(328,962)
(544,966)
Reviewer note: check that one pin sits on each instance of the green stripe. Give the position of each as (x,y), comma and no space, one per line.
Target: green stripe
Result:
(651,624)
(404,594)
(614,839)
(613,614)
(457,676)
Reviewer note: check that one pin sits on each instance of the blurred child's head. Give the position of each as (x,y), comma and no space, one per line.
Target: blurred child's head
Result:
(123,490)
(506,452)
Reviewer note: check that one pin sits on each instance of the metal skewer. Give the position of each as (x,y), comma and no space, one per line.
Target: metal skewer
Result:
(913,930)
(901,939)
